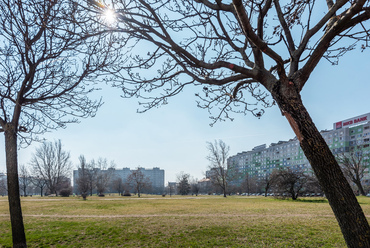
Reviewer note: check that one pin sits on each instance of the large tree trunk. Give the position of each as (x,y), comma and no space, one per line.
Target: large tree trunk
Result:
(351,219)
(19,237)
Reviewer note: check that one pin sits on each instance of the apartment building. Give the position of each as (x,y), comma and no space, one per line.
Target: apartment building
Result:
(350,135)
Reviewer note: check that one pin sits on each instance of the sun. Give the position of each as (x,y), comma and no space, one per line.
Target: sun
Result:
(109,16)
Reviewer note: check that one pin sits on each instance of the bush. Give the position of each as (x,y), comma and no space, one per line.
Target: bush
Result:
(65,192)
(127,194)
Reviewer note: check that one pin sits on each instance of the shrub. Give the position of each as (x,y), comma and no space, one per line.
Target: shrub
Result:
(127,194)
(65,192)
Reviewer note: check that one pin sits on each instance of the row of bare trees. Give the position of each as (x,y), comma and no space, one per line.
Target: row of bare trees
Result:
(97,176)
(94,175)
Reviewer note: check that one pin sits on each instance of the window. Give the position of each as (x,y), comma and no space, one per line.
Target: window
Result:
(367,127)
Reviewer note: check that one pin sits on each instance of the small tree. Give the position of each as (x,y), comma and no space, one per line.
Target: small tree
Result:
(103,175)
(195,188)
(52,163)
(249,184)
(289,182)
(220,174)
(353,166)
(3,188)
(266,183)
(183,185)
(24,179)
(39,182)
(118,185)
(83,179)
(138,181)
(91,173)
(171,189)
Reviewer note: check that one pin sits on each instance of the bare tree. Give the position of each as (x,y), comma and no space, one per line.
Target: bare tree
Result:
(91,173)
(83,178)
(353,166)
(103,175)
(266,183)
(24,179)
(220,174)
(3,188)
(39,182)
(50,56)
(171,189)
(138,181)
(118,185)
(195,188)
(288,182)
(249,184)
(263,49)
(52,163)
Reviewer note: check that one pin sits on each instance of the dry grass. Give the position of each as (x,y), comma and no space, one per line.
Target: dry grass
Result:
(201,221)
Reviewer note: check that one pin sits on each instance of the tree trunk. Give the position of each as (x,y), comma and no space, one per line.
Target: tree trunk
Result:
(360,188)
(348,212)
(19,237)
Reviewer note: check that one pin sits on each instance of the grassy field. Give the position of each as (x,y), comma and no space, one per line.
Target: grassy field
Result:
(203,221)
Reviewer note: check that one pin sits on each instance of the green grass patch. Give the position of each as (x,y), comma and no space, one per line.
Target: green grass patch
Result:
(204,221)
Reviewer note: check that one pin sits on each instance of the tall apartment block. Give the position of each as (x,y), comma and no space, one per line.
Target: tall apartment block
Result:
(351,135)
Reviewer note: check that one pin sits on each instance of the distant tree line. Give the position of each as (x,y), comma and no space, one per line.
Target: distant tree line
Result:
(97,177)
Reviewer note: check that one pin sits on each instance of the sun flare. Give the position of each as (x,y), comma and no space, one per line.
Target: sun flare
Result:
(109,16)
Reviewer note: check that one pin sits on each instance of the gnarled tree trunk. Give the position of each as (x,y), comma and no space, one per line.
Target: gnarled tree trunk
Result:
(19,237)
(348,212)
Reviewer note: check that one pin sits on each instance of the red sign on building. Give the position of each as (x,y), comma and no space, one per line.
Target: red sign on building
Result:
(352,121)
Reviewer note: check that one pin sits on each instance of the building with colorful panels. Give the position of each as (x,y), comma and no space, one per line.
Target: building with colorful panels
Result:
(350,135)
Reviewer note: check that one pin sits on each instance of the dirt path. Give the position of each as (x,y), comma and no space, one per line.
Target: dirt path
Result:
(170,215)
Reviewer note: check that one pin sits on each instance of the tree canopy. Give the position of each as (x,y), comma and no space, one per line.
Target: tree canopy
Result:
(245,56)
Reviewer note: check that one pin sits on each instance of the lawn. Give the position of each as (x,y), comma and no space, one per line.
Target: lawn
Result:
(203,221)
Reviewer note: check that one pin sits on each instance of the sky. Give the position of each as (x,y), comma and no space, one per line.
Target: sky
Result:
(174,136)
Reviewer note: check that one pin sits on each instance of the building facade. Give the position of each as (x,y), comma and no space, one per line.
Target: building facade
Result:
(350,135)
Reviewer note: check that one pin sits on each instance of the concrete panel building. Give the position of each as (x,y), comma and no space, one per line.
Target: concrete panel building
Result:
(350,135)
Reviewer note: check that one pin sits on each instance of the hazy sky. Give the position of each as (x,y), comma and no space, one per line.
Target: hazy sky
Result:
(174,136)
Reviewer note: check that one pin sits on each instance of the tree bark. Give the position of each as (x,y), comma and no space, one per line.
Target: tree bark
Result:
(360,188)
(347,210)
(19,237)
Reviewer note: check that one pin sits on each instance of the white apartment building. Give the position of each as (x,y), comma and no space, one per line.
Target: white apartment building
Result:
(346,136)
